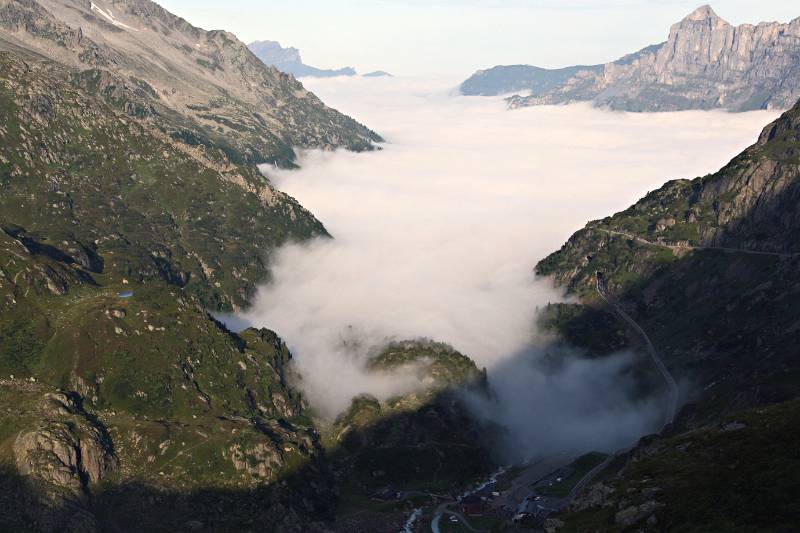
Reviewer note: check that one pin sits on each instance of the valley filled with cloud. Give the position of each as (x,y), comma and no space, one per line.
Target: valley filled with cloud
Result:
(436,236)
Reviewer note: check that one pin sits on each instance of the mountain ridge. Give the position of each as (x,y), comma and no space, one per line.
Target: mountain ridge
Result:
(706,63)
(130,205)
(203,85)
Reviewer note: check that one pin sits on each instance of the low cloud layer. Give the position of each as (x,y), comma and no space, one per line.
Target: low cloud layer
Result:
(437,234)
(579,406)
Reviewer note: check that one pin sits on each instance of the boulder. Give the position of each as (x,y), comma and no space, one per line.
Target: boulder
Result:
(68,450)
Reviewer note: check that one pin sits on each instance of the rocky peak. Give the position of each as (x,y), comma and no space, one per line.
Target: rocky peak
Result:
(786,130)
(706,63)
(69,449)
(273,51)
(701,20)
(702,13)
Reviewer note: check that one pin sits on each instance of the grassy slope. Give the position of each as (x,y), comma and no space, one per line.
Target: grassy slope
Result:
(739,475)
(726,325)
(422,442)
(93,203)
(78,171)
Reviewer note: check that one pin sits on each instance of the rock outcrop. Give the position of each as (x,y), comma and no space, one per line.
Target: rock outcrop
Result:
(706,63)
(697,481)
(68,450)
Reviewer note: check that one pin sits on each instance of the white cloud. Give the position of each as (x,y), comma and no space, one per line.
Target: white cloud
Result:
(437,234)
(582,405)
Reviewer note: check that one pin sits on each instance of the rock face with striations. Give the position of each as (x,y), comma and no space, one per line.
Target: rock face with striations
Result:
(67,449)
(705,64)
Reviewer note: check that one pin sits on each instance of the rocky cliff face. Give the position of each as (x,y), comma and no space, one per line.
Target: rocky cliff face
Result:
(67,449)
(706,63)
(203,87)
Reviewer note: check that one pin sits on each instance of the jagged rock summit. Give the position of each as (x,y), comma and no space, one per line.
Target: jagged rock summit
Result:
(290,61)
(706,63)
(705,12)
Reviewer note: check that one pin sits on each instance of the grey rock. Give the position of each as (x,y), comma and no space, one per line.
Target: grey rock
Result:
(706,63)
(288,60)
(636,513)
(733,426)
(551,525)
(207,85)
(68,450)
(597,495)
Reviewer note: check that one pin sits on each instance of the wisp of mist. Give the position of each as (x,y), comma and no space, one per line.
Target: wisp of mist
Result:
(437,234)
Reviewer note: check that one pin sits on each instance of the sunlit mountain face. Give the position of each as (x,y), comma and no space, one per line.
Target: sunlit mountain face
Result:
(241,293)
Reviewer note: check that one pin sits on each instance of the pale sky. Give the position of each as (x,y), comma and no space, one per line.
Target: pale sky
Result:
(457,37)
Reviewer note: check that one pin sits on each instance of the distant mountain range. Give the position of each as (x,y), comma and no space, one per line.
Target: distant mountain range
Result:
(289,61)
(705,64)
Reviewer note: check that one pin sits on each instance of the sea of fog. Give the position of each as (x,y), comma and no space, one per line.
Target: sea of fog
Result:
(437,234)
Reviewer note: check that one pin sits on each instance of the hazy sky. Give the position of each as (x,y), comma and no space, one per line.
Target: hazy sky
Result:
(460,36)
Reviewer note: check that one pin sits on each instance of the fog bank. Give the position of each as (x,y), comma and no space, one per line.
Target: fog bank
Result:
(437,235)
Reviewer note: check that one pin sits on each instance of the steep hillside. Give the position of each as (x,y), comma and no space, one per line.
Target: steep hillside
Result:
(706,63)
(693,258)
(708,269)
(203,88)
(117,387)
(751,204)
(114,196)
(737,475)
(409,451)
(130,205)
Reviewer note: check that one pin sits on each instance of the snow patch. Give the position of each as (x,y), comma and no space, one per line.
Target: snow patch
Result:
(110,16)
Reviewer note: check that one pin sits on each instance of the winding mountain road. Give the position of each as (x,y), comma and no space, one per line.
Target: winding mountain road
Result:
(437,518)
(679,249)
(672,406)
(585,480)
(686,247)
